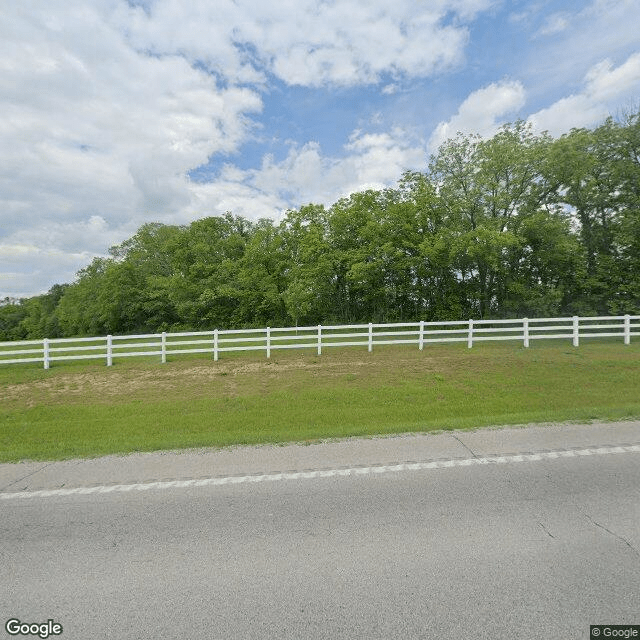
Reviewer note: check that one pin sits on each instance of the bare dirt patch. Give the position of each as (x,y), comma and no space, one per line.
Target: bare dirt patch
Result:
(222,377)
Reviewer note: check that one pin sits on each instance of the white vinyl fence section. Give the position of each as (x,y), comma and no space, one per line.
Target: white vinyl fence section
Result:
(318,338)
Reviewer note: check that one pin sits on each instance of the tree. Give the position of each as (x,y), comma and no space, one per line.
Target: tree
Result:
(261,278)
(489,188)
(597,175)
(204,286)
(517,224)
(12,313)
(310,270)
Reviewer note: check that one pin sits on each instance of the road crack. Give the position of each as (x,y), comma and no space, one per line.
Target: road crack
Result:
(613,533)
(464,445)
(28,475)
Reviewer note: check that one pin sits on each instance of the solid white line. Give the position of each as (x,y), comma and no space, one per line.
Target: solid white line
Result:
(324,473)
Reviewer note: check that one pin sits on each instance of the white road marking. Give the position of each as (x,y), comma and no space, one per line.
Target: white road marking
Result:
(323,473)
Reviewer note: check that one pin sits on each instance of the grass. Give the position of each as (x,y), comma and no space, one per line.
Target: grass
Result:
(84,410)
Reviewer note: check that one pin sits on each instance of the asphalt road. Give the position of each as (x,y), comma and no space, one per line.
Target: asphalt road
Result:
(473,541)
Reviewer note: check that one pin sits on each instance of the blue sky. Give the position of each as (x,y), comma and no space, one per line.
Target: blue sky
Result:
(116,113)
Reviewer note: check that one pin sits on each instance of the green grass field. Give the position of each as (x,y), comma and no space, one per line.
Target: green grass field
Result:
(83,410)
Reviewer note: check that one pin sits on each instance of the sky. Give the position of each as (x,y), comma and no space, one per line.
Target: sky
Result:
(114,113)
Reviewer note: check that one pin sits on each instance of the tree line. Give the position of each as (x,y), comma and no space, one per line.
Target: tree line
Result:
(516,225)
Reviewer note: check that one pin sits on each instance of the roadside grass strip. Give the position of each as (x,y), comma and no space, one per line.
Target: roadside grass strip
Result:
(80,410)
(324,473)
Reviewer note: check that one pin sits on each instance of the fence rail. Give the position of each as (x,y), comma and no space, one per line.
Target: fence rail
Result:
(318,337)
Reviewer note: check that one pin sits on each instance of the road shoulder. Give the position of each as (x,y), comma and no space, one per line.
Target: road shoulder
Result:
(266,459)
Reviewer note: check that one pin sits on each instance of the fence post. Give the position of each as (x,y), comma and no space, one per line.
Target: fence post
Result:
(576,331)
(470,336)
(45,352)
(627,329)
(525,329)
(164,347)
(319,339)
(109,350)
(268,342)
(370,337)
(421,339)
(215,345)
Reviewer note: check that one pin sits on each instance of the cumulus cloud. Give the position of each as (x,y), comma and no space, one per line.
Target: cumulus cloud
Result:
(604,87)
(482,112)
(92,130)
(570,42)
(89,122)
(231,192)
(605,82)
(106,105)
(372,161)
(306,42)
(26,268)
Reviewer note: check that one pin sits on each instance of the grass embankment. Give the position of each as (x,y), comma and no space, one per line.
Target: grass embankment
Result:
(78,410)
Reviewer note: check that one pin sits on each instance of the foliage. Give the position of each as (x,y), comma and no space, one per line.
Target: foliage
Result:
(518,224)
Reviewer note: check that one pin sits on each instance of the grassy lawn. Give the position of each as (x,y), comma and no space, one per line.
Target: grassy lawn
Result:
(81,410)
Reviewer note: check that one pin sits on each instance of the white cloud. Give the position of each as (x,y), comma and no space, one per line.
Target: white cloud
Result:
(231,192)
(380,159)
(604,87)
(554,24)
(607,24)
(90,121)
(482,112)
(93,131)
(579,40)
(27,269)
(106,106)
(604,82)
(305,42)
(372,161)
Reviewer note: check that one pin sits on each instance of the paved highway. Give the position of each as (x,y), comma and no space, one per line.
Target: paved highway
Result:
(473,540)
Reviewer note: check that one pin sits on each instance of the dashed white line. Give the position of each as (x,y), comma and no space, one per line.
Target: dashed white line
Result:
(323,473)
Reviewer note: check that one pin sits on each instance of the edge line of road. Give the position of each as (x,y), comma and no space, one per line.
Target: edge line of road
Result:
(325,473)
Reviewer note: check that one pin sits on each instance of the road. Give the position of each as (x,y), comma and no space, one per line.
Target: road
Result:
(471,541)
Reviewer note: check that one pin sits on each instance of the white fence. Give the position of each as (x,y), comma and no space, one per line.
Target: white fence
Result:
(318,338)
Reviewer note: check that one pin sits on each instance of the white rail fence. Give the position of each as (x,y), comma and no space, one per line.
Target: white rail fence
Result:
(318,338)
